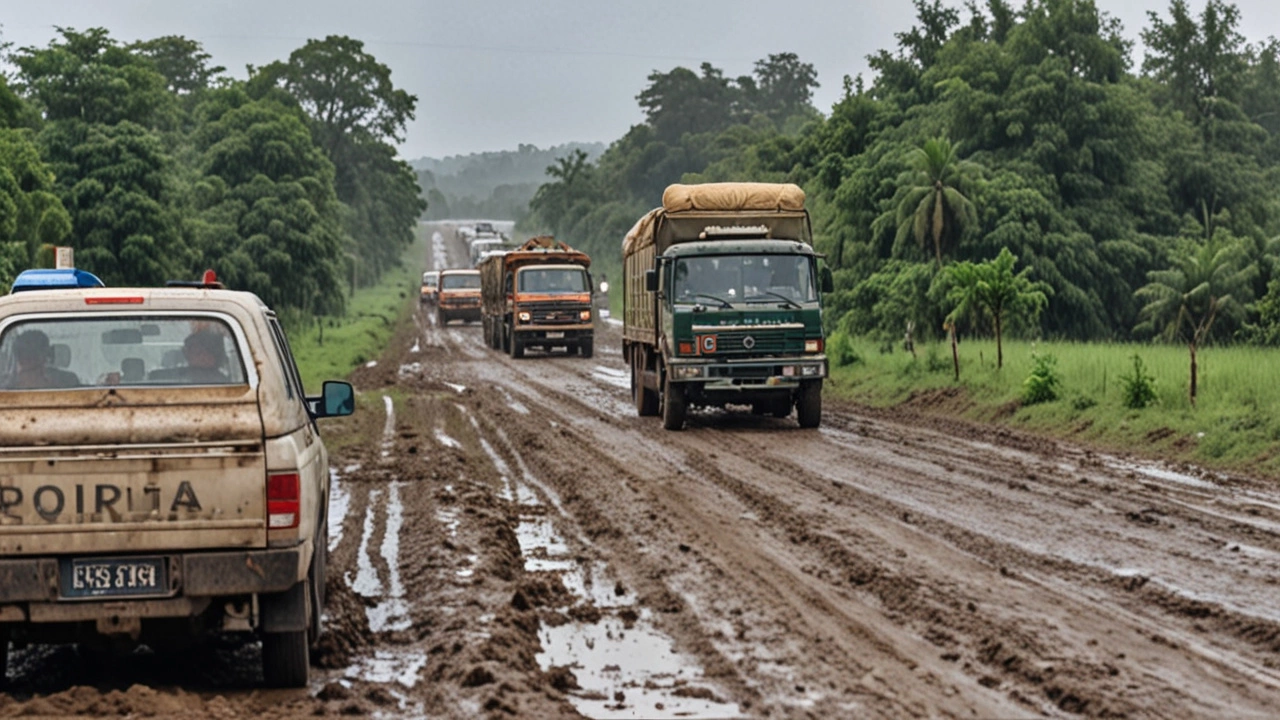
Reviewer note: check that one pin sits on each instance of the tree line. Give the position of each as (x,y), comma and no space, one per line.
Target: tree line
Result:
(1135,195)
(153,164)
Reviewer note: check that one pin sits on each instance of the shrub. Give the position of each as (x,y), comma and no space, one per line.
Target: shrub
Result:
(1082,402)
(840,350)
(1044,381)
(1139,388)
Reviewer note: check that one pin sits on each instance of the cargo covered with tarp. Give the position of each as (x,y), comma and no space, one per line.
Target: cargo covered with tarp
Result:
(689,211)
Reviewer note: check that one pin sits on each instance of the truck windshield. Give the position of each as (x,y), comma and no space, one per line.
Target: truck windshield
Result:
(745,279)
(429,279)
(469,281)
(559,280)
(107,351)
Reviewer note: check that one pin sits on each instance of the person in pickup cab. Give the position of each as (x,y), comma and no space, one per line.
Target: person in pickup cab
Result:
(33,356)
(204,354)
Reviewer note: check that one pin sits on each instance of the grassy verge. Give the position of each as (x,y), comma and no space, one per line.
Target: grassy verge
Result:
(1231,426)
(330,350)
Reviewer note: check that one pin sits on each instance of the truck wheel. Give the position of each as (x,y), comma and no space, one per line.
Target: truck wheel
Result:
(809,404)
(286,661)
(441,317)
(517,348)
(4,660)
(646,400)
(673,406)
(586,349)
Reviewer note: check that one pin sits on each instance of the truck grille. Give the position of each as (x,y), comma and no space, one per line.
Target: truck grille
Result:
(556,313)
(759,342)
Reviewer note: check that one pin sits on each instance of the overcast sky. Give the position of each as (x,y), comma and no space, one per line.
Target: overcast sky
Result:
(490,74)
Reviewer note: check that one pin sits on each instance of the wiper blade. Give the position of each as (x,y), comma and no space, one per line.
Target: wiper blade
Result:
(783,298)
(723,303)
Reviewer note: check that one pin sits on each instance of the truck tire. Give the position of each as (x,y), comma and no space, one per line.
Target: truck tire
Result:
(673,406)
(4,660)
(442,318)
(517,347)
(646,400)
(286,659)
(586,348)
(809,404)
(315,584)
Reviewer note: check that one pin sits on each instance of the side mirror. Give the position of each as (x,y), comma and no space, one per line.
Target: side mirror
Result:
(651,281)
(828,284)
(337,399)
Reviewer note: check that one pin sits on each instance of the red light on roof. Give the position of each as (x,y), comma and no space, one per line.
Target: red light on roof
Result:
(130,300)
(210,278)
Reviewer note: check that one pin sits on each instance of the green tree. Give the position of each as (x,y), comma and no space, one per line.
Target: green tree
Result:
(783,87)
(269,216)
(930,204)
(182,62)
(1206,282)
(992,289)
(30,213)
(355,113)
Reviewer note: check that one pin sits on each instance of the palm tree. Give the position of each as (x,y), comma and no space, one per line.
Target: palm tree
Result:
(932,207)
(1206,281)
(992,288)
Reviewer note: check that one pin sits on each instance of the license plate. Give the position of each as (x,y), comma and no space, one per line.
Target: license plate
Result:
(110,577)
(555,335)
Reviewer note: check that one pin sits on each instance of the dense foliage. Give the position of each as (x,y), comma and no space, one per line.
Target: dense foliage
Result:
(988,127)
(152,165)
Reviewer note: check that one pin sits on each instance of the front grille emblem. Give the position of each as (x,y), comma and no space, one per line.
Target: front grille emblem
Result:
(748,342)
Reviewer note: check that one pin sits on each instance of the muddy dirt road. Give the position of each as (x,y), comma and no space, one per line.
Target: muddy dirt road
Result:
(510,539)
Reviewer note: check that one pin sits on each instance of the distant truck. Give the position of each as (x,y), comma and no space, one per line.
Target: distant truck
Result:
(458,297)
(722,303)
(430,287)
(538,295)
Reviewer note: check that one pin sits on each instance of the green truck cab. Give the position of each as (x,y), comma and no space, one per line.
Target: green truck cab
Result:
(723,303)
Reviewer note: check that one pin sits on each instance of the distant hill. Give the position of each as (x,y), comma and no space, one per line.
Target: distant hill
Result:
(490,184)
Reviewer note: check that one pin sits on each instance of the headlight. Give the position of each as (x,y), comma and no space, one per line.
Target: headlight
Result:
(813,346)
(524,317)
(684,372)
(585,315)
(810,369)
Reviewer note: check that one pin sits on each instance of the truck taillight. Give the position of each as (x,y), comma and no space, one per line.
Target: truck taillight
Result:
(813,346)
(284,494)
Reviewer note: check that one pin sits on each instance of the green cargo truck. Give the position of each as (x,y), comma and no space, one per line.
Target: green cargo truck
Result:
(722,303)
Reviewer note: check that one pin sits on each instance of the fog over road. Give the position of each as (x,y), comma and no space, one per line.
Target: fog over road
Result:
(508,538)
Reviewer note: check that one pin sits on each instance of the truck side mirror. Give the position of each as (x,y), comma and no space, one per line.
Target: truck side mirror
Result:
(828,284)
(651,281)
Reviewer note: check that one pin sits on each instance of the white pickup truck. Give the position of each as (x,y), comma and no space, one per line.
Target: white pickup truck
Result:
(161,471)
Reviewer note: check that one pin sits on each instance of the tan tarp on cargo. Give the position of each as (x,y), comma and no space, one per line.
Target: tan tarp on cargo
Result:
(714,197)
(732,197)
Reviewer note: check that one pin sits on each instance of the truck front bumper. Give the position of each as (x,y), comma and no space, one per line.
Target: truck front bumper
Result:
(738,376)
(553,334)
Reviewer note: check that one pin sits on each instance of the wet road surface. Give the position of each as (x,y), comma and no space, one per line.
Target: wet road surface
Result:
(509,539)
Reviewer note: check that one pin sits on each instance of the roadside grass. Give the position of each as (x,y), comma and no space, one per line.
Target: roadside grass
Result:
(1232,426)
(333,347)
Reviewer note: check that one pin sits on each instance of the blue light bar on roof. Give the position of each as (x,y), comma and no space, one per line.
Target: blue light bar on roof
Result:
(54,280)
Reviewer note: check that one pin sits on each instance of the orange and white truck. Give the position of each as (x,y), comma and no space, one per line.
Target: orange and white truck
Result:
(538,295)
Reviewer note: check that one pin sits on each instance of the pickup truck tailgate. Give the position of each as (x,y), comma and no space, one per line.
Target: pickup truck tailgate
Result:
(144,489)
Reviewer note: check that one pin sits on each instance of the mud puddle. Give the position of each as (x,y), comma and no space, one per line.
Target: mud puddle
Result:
(622,666)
